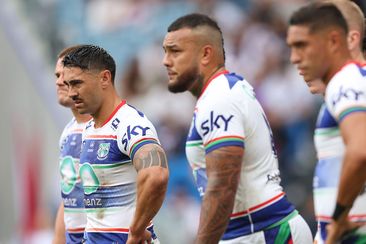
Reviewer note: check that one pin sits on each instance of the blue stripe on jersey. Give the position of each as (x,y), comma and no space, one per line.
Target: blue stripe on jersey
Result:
(325,119)
(349,111)
(233,78)
(75,198)
(261,219)
(74,238)
(91,152)
(362,70)
(108,237)
(140,144)
(193,134)
(225,144)
(71,145)
(327,172)
(113,196)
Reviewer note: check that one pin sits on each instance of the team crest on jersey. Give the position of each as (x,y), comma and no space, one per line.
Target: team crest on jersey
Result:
(103,151)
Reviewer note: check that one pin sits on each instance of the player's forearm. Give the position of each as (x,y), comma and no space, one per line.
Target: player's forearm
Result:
(151,188)
(59,235)
(223,174)
(353,177)
(217,206)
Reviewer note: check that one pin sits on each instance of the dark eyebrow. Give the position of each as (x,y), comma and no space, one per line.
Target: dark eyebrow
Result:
(72,82)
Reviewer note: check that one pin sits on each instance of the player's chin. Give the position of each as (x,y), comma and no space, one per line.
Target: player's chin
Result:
(176,87)
(65,101)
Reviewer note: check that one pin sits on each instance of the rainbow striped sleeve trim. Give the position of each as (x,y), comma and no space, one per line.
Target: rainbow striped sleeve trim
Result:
(224,142)
(140,143)
(348,111)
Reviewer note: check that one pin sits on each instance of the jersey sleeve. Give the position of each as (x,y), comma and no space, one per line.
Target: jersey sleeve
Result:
(220,123)
(346,94)
(136,132)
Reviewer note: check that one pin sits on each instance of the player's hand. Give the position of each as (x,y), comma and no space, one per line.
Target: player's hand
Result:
(134,238)
(336,230)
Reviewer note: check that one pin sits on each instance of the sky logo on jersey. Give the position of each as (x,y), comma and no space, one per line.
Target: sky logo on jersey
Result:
(136,130)
(103,151)
(349,94)
(215,121)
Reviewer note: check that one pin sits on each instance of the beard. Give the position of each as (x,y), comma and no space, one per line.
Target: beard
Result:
(185,81)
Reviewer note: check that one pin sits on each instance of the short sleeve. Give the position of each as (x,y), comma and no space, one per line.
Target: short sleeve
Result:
(346,94)
(220,123)
(136,132)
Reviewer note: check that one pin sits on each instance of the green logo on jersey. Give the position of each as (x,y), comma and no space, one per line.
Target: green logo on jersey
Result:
(103,151)
(68,174)
(89,178)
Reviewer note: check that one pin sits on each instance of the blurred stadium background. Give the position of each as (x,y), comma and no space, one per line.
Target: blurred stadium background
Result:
(32,32)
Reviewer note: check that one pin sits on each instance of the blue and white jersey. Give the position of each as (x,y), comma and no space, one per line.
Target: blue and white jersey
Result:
(228,114)
(108,175)
(71,188)
(345,94)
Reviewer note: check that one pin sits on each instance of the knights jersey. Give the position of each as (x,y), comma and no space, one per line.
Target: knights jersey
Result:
(71,188)
(345,94)
(228,114)
(108,175)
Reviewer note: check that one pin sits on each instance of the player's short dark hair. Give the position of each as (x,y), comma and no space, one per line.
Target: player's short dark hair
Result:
(196,20)
(318,16)
(67,50)
(90,57)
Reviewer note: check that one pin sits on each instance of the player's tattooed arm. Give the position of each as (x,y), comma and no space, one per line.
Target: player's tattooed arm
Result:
(150,155)
(223,172)
(152,180)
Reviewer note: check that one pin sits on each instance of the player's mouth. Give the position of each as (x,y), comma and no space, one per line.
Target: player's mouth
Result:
(78,103)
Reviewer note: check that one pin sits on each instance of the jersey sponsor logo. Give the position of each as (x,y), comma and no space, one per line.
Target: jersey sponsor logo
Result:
(346,93)
(70,202)
(115,123)
(135,131)
(103,151)
(93,202)
(273,177)
(215,121)
(68,174)
(89,178)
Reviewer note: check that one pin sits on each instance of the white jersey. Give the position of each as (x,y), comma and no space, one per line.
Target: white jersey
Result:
(228,114)
(71,188)
(108,175)
(345,94)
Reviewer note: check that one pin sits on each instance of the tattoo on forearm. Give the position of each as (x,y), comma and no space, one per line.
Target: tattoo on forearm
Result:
(150,156)
(220,193)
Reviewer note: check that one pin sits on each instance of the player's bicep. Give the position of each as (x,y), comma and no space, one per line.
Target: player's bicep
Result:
(223,167)
(149,155)
(353,129)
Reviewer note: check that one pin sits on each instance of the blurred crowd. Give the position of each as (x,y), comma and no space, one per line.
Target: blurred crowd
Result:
(254,38)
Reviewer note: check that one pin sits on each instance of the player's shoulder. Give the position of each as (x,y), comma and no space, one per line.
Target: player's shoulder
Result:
(352,74)
(224,89)
(346,83)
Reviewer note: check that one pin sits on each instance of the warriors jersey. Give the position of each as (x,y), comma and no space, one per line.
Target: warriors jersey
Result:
(228,114)
(108,175)
(72,191)
(345,94)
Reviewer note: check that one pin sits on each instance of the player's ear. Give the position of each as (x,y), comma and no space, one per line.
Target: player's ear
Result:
(353,39)
(207,54)
(105,78)
(335,39)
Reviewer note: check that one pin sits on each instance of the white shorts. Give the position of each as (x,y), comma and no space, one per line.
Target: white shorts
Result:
(299,233)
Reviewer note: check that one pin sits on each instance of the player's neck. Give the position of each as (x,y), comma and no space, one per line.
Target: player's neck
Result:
(337,64)
(109,105)
(206,79)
